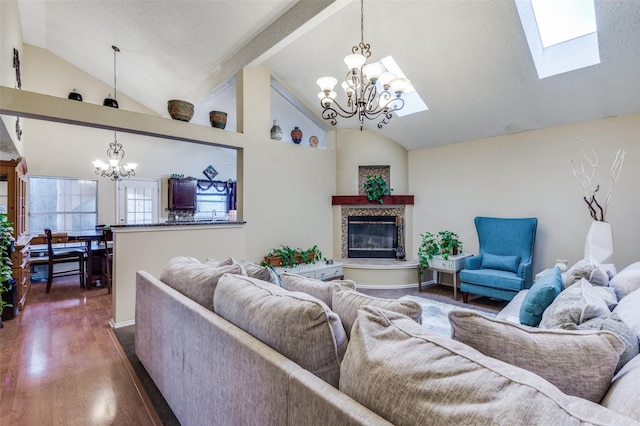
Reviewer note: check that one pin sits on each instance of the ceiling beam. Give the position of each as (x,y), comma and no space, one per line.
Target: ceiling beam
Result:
(304,15)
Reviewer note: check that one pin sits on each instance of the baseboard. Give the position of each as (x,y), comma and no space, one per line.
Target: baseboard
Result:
(121,324)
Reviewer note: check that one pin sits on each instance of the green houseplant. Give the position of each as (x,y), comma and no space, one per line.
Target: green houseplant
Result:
(7,283)
(445,244)
(375,188)
(290,257)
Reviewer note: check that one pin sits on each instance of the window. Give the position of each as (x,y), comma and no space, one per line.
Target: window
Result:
(412,101)
(214,199)
(62,204)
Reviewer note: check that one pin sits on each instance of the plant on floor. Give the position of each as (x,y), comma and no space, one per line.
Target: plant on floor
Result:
(6,244)
(375,188)
(445,244)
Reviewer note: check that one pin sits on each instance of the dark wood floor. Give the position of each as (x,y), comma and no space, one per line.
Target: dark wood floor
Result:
(59,364)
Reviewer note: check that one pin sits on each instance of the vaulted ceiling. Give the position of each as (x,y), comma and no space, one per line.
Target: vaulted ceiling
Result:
(468,59)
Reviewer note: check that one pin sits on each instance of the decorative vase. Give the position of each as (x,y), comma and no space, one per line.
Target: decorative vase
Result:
(276,131)
(296,135)
(599,242)
(180,110)
(218,119)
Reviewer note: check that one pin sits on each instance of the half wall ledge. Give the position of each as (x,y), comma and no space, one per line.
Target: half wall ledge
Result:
(360,200)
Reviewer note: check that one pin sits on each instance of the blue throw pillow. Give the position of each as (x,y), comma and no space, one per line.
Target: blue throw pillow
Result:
(503,263)
(540,296)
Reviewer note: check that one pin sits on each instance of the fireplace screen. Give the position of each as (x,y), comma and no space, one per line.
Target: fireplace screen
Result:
(372,236)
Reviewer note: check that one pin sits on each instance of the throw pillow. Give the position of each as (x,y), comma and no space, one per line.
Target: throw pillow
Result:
(622,396)
(511,312)
(614,324)
(263,273)
(588,269)
(346,303)
(502,263)
(626,281)
(629,312)
(542,293)
(579,363)
(297,325)
(322,290)
(196,280)
(412,376)
(228,261)
(575,305)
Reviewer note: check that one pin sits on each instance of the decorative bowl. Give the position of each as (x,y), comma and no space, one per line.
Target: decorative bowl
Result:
(180,110)
(218,119)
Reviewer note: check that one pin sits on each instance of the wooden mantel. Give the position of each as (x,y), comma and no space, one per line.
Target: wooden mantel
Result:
(359,200)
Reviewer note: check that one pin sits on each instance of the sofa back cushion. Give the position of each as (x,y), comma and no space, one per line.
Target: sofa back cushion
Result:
(579,363)
(629,312)
(622,395)
(578,303)
(297,325)
(346,303)
(412,376)
(322,290)
(626,281)
(196,280)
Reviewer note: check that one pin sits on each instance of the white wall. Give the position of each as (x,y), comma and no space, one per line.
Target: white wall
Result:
(528,175)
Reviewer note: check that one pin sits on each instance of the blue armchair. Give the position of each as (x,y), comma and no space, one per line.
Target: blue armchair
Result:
(504,263)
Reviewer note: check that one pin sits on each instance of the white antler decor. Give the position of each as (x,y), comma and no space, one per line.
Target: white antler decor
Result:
(597,210)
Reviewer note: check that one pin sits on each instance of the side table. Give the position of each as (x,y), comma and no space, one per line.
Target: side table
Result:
(453,265)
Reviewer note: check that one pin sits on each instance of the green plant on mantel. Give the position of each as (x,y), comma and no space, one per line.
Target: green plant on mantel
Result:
(6,276)
(375,188)
(445,244)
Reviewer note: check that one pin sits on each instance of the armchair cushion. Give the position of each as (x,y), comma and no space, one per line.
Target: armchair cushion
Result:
(492,278)
(503,263)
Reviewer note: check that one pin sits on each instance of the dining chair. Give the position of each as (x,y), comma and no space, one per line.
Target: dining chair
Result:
(64,255)
(107,258)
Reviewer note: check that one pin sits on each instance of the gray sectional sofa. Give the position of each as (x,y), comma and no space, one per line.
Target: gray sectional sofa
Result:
(220,346)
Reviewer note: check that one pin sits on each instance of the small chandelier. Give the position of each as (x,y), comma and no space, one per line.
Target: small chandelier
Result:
(115,152)
(364,100)
(113,169)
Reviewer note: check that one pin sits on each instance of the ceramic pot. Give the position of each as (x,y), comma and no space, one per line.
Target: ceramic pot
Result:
(276,131)
(218,119)
(296,135)
(180,110)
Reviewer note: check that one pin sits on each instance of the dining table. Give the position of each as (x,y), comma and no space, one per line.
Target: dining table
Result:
(88,237)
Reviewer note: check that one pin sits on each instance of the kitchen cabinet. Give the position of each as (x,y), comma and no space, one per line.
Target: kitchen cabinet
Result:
(183,194)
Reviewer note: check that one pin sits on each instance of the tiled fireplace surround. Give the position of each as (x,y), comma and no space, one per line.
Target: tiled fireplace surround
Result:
(370,209)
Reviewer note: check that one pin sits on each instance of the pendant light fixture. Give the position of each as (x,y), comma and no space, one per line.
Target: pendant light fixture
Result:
(364,97)
(115,153)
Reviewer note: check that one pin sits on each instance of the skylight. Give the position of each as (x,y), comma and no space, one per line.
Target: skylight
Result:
(562,34)
(564,20)
(412,101)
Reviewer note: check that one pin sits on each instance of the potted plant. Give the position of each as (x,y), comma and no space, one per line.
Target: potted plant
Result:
(290,257)
(444,244)
(375,188)
(8,289)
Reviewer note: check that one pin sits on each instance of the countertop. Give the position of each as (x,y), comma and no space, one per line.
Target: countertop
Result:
(184,223)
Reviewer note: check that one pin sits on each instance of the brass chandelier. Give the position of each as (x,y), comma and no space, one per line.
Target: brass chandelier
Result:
(365,99)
